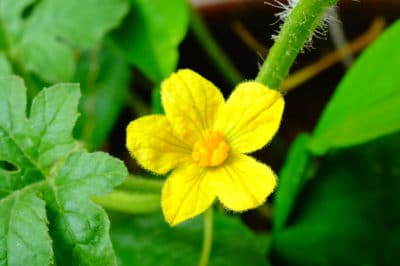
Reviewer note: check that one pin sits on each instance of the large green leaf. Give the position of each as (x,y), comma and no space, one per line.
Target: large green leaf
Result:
(366,104)
(350,213)
(292,176)
(44,36)
(149,241)
(151,33)
(22,217)
(46,180)
(104,91)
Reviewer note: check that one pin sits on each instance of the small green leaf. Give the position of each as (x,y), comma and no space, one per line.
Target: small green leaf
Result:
(151,33)
(46,35)
(291,178)
(366,104)
(49,164)
(148,241)
(349,214)
(104,91)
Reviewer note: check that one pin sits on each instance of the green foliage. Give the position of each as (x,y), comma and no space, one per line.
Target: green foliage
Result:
(23,230)
(46,180)
(104,91)
(366,105)
(45,36)
(150,35)
(349,214)
(149,241)
(291,178)
(5,68)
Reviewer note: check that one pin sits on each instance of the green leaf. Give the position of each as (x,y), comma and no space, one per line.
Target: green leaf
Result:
(22,217)
(45,169)
(350,213)
(149,241)
(5,68)
(366,104)
(291,178)
(45,36)
(151,33)
(104,91)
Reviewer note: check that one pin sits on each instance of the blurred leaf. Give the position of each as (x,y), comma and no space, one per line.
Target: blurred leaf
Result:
(5,68)
(45,35)
(151,33)
(366,104)
(149,241)
(350,213)
(104,76)
(291,178)
(46,180)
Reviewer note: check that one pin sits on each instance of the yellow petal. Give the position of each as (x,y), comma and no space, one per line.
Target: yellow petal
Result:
(152,142)
(250,117)
(186,193)
(242,183)
(190,103)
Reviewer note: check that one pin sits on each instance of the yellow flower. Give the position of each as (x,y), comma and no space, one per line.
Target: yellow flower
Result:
(203,139)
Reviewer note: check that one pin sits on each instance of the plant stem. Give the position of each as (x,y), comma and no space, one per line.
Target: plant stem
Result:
(248,39)
(134,195)
(211,47)
(296,30)
(130,202)
(140,184)
(156,103)
(89,105)
(207,237)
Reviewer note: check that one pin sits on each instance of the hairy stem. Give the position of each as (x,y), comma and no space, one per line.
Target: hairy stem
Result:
(296,30)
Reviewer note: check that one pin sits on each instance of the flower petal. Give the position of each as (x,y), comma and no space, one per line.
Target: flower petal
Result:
(190,103)
(151,141)
(250,117)
(242,183)
(186,193)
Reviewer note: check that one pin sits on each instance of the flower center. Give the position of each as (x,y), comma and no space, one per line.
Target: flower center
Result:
(212,150)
